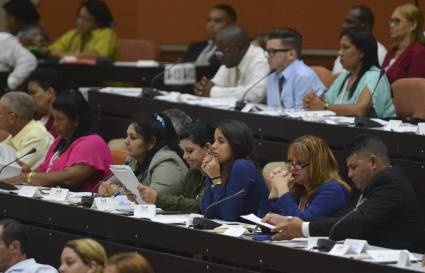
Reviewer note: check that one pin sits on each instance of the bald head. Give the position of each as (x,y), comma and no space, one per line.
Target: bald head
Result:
(233,35)
(233,43)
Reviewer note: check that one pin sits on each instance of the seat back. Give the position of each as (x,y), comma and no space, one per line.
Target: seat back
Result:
(325,75)
(137,49)
(409,97)
(119,157)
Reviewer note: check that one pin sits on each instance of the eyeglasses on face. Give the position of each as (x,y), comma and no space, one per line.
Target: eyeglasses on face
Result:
(270,52)
(394,21)
(298,166)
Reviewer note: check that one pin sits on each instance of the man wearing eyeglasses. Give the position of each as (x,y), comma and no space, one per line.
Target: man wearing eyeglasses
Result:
(387,213)
(292,78)
(243,66)
(361,17)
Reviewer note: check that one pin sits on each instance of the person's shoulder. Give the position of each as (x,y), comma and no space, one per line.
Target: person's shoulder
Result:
(332,185)
(304,71)
(165,154)
(7,37)
(104,31)
(243,164)
(417,48)
(92,141)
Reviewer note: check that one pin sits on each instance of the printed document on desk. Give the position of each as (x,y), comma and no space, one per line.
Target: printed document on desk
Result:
(126,176)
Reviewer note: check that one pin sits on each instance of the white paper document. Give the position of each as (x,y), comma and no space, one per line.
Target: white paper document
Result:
(126,176)
(388,256)
(253,218)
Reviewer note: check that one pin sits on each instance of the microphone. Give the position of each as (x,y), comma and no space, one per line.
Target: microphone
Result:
(365,121)
(150,92)
(87,201)
(204,222)
(241,103)
(33,150)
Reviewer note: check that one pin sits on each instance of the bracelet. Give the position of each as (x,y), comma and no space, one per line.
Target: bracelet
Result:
(217,177)
(29,178)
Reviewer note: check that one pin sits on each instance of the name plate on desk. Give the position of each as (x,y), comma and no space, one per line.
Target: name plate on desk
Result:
(58,194)
(180,74)
(144,211)
(29,191)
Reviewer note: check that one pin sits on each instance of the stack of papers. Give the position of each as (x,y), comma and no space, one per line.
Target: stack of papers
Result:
(126,176)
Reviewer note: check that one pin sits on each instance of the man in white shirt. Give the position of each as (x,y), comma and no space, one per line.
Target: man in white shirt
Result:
(13,250)
(15,58)
(243,65)
(359,16)
(17,118)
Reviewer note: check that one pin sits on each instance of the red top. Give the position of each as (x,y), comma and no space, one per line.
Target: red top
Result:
(410,64)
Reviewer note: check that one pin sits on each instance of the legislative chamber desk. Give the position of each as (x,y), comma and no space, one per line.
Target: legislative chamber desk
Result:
(169,248)
(272,134)
(98,75)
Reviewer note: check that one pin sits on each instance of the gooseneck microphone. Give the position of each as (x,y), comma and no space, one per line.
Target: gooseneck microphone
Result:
(33,150)
(204,222)
(150,91)
(241,103)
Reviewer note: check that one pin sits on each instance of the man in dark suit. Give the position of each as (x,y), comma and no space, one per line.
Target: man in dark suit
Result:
(202,53)
(387,213)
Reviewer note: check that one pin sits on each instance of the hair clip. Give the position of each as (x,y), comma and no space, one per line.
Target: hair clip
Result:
(160,120)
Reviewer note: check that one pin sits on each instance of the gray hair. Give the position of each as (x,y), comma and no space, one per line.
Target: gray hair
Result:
(19,103)
(179,119)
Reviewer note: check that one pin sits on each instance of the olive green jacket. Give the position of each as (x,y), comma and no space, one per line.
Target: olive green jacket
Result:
(189,201)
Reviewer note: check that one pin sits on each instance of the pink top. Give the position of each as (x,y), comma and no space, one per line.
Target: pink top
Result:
(89,150)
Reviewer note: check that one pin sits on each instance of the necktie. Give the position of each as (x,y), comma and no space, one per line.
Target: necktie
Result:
(280,85)
(237,76)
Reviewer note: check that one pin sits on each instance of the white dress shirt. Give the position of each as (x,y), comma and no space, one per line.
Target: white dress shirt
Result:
(252,68)
(382,52)
(30,266)
(16,58)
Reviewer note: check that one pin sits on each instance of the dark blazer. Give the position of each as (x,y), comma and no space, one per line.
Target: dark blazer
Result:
(194,50)
(388,215)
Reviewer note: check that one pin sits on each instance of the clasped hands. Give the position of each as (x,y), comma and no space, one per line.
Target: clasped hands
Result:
(313,102)
(203,87)
(211,167)
(279,179)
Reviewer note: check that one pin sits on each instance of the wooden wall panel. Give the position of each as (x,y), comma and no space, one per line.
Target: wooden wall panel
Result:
(179,22)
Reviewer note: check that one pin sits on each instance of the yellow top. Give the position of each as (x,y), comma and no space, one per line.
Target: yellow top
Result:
(33,135)
(103,41)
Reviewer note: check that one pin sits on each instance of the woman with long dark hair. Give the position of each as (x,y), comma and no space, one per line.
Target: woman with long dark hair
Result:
(230,172)
(154,155)
(195,141)
(362,90)
(79,157)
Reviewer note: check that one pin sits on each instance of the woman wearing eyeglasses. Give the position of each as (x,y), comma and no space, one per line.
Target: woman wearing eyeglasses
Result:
(310,186)
(406,58)
(234,186)
(93,37)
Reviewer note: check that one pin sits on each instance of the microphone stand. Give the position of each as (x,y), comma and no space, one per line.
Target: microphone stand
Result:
(240,104)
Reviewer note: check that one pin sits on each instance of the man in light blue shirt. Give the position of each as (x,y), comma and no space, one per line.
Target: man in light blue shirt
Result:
(292,78)
(13,250)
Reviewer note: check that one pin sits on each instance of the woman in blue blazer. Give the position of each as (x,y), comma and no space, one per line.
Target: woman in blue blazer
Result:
(230,174)
(310,185)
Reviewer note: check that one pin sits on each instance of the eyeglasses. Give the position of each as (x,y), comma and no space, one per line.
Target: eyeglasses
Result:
(394,21)
(270,52)
(298,166)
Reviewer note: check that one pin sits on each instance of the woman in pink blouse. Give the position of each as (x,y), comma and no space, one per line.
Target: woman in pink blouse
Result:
(78,158)
(406,59)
